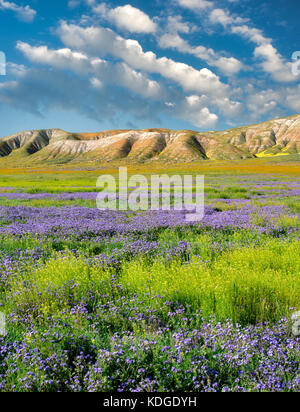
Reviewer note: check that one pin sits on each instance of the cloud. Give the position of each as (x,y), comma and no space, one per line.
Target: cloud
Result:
(73,3)
(102,71)
(251,33)
(272,62)
(101,41)
(106,76)
(195,4)
(293,98)
(38,91)
(176,25)
(227,65)
(197,114)
(97,76)
(223,17)
(15,69)
(261,102)
(24,13)
(229,108)
(127,18)
(172,39)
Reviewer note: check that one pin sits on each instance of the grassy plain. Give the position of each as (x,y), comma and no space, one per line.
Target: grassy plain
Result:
(171,308)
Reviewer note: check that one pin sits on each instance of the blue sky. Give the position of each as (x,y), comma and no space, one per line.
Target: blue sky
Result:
(89,65)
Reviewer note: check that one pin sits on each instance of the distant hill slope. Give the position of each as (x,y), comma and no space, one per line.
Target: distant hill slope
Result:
(56,146)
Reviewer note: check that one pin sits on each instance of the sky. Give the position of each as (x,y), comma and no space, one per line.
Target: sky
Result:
(89,65)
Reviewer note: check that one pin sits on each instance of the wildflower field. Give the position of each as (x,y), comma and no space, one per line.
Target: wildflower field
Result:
(144,301)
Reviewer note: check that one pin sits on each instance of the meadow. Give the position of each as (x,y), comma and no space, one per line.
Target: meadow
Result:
(144,301)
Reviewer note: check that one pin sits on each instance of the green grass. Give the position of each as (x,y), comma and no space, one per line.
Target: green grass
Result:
(57,284)
(47,202)
(251,284)
(10,244)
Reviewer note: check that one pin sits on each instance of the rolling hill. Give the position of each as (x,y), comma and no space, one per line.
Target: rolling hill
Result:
(56,146)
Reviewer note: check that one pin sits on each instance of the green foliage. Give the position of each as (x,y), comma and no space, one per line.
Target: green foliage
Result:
(249,284)
(63,280)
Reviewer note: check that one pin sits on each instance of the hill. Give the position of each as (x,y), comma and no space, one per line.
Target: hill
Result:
(56,146)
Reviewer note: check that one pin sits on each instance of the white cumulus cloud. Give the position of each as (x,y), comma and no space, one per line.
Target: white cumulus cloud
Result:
(25,13)
(101,71)
(273,63)
(198,114)
(127,18)
(101,41)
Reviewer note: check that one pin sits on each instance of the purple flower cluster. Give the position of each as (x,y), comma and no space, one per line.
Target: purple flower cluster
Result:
(80,221)
(131,344)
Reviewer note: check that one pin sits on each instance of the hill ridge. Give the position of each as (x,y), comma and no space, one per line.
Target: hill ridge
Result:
(275,137)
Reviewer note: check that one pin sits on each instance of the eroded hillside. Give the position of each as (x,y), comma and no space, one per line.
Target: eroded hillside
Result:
(276,137)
